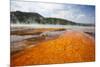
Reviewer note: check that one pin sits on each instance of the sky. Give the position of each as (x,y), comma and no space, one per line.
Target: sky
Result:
(72,12)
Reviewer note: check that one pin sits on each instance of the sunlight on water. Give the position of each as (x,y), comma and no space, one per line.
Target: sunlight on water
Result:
(72,27)
(45,25)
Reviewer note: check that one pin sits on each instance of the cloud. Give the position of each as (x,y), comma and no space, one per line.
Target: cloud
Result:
(66,11)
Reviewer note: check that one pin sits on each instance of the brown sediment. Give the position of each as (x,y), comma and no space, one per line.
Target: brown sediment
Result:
(34,31)
(19,46)
(71,46)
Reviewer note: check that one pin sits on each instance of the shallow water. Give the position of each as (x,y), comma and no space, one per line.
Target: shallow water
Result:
(70,27)
(15,38)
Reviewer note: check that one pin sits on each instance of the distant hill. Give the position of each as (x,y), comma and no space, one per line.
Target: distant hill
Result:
(59,21)
(25,17)
(31,17)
